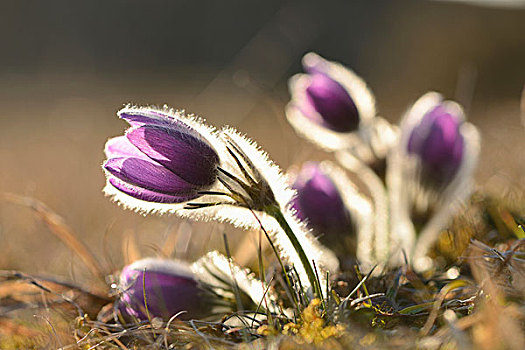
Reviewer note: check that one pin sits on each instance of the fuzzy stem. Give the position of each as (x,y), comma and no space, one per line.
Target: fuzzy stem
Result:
(377,190)
(276,213)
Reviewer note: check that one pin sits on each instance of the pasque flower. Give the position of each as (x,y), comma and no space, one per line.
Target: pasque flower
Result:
(440,150)
(169,162)
(330,95)
(438,143)
(335,210)
(155,287)
(332,107)
(431,171)
(161,159)
(329,104)
(319,202)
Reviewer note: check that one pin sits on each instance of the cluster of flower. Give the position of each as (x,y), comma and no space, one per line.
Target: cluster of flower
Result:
(408,180)
(415,174)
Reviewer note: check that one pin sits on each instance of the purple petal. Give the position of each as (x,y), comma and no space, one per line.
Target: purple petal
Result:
(439,144)
(179,149)
(331,100)
(319,202)
(147,195)
(139,117)
(148,175)
(166,295)
(120,146)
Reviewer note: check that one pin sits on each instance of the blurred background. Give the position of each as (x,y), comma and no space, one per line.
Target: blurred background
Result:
(66,67)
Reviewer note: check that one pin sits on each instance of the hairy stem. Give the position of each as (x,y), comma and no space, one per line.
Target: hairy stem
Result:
(276,213)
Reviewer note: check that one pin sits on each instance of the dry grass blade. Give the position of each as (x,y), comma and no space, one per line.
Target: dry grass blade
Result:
(60,229)
(130,247)
(20,287)
(437,304)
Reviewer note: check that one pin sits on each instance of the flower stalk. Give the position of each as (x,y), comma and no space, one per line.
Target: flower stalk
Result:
(275,212)
(371,250)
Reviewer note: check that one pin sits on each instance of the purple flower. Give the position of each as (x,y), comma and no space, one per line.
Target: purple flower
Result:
(329,95)
(321,96)
(430,174)
(438,149)
(161,158)
(169,286)
(333,108)
(329,104)
(319,203)
(438,143)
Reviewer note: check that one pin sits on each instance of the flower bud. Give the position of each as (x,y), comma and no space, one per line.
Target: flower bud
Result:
(430,174)
(161,158)
(436,157)
(319,202)
(160,288)
(438,143)
(333,108)
(329,104)
(330,96)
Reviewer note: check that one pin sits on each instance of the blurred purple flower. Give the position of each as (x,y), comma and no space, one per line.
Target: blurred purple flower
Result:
(319,203)
(323,95)
(437,153)
(169,286)
(333,108)
(438,143)
(161,158)
(430,174)
(327,99)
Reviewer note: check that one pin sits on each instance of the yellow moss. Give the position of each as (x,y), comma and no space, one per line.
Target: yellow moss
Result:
(264,330)
(312,329)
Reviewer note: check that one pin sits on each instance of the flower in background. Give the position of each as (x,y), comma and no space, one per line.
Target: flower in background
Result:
(319,203)
(328,103)
(440,149)
(333,208)
(154,287)
(330,96)
(438,144)
(161,159)
(431,172)
(333,108)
